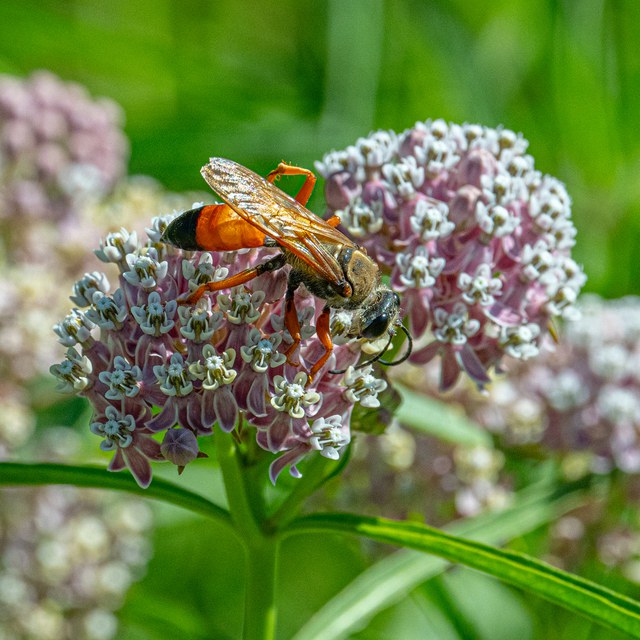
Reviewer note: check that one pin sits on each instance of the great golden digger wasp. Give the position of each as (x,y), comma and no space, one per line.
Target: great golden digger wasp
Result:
(332,267)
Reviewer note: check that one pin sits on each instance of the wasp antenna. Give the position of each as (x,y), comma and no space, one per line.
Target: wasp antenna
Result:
(407,353)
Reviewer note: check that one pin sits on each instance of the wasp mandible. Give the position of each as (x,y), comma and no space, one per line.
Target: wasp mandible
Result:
(332,267)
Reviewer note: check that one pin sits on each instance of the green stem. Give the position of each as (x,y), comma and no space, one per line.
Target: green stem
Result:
(313,477)
(260,596)
(246,507)
(243,505)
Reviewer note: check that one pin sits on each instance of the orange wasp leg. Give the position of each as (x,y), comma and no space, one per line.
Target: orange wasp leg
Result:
(292,324)
(304,194)
(333,221)
(285,169)
(233,281)
(324,335)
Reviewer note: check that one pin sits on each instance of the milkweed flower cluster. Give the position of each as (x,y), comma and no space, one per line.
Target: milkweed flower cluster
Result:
(58,145)
(210,365)
(581,396)
(474,237)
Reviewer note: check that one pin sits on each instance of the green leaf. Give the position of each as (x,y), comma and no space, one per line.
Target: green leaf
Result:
(29,474)
(594,601)
(439,419)
(491,609)
(392,578)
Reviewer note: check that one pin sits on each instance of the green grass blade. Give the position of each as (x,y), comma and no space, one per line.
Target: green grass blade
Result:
(594,601)
(392,578)
(29,474)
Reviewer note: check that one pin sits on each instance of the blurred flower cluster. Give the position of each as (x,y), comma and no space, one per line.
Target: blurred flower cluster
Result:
(58,146)
(474,237)
(401,475)
(602,530)
(67,556)
(221,361)
(580,397)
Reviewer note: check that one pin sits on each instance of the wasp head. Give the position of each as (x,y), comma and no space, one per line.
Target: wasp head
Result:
(380,314)
(375,318)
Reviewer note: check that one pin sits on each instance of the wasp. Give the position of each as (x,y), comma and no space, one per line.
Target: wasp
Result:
(255,213)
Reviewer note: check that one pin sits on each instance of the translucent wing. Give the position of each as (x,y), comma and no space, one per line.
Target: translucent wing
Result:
(278,215)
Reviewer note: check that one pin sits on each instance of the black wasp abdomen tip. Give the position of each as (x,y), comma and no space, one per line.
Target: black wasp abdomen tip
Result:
(181,231)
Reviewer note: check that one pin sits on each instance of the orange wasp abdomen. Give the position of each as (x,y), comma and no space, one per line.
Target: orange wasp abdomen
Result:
(220,228)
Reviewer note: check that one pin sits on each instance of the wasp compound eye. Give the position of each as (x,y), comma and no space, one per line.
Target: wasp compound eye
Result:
(376,327)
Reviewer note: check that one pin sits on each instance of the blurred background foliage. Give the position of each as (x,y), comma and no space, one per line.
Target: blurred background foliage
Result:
(291,80)
(294,79)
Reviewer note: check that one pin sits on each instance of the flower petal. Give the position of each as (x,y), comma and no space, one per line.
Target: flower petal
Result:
(149,448)
(256,398)
(226,408)
(117,462)
(450,370)
(470,362)
(139,466)
(279,431)
(166,419)
(289,458)
(426,354)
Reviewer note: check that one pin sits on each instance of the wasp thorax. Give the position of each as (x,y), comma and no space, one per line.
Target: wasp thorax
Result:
(362,273)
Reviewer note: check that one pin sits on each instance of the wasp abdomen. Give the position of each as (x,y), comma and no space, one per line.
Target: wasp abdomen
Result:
(220,228)
(181,231)
(213,228)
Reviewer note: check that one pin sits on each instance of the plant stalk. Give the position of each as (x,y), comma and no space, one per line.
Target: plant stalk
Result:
(261,547)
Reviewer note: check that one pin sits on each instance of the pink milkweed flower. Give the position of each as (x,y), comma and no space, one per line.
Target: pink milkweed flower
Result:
(213,365)
(474,237)
(579,397)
